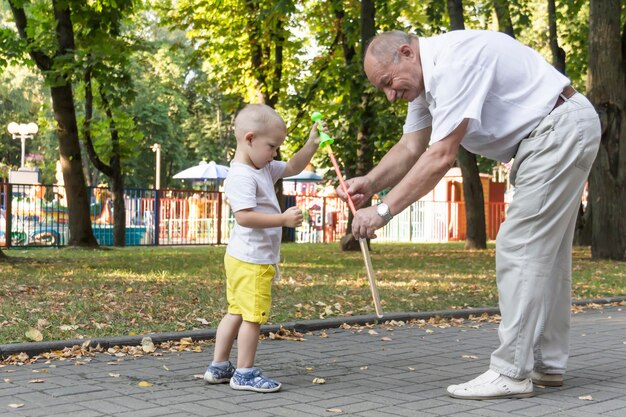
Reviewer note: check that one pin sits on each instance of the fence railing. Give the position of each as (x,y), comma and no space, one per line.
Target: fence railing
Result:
(37,215)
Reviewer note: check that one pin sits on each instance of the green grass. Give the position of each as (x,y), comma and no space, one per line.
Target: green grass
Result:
(71,293)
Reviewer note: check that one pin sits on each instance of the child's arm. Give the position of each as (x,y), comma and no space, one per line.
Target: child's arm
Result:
(292,217)
(300,160)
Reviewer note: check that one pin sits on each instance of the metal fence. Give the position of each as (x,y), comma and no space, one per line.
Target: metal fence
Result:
(36,215)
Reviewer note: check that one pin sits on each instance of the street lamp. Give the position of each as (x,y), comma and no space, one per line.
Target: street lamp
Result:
(157,148)
(23,132)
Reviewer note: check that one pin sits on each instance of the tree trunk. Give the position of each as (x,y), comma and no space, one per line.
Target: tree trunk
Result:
(558,54)
(65,115)
(119,209)
(360,100)
(117,179)
(476,233)
(72,167)
(504,17)
(3,256)
(607,91)
(476,237)
(582,234)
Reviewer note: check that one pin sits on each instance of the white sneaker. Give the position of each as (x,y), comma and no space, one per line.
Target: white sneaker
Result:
(492,385)
(547,380)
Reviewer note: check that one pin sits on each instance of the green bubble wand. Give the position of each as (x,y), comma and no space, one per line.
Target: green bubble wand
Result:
(325,142)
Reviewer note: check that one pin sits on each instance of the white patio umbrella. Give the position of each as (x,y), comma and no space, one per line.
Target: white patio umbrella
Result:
(204,171)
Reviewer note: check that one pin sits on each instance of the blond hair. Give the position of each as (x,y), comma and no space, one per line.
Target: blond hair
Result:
(256,118)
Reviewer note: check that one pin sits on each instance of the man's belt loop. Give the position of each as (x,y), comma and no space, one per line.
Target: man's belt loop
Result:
(567,92)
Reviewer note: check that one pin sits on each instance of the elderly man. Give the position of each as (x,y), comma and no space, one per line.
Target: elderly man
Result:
(498,98)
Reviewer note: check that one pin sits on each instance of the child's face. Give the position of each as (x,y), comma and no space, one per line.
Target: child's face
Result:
(263,147)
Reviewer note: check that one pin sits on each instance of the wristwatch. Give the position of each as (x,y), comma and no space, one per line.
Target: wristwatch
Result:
(383,211)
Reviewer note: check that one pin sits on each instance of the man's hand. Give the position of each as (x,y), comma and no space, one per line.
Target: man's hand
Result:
(292,217)
(360,190)
(365,223)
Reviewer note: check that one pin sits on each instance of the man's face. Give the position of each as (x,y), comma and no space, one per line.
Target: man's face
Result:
(401,80)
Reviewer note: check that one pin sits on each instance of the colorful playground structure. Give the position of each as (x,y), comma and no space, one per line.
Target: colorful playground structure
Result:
(37,215)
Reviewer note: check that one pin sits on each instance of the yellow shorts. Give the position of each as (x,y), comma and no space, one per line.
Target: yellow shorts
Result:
(248,289)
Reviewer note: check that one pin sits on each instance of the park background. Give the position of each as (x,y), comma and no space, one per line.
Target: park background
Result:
(126,94)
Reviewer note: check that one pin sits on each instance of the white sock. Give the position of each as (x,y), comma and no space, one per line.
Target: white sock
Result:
(220,364)
(244,370)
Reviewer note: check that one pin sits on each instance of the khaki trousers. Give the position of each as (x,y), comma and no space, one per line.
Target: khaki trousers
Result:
(534,244)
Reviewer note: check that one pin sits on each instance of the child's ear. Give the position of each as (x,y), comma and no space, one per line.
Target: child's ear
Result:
(248,137)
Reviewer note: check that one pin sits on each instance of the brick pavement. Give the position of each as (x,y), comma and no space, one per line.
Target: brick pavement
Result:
(400,371)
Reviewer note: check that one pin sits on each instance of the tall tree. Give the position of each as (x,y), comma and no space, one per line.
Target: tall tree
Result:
(607,91)
(476,227)
(504,17)
(359,98)
(558,54)
(106,61)
(54,67)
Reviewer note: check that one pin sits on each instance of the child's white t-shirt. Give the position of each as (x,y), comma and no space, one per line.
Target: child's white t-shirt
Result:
(249,188)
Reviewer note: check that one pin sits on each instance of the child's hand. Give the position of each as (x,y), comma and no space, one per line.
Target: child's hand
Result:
(292,217)
(314,135)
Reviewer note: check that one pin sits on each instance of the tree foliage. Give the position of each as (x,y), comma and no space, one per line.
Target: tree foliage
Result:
(176,72)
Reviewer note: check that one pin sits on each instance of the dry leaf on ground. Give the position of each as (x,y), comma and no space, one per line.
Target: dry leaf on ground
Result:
(285,334)
(34,335)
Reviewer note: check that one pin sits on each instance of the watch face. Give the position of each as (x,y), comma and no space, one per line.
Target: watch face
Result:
(383,211)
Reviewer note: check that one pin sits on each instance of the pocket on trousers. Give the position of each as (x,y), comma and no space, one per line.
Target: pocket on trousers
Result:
(587,143)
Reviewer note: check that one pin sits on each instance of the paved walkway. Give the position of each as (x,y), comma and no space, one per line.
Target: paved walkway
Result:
(399,370)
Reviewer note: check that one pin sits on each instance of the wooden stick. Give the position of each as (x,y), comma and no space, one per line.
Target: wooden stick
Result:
(371,277)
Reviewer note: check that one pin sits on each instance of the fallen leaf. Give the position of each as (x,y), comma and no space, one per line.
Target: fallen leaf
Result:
(386,339)
(7,380)
(36,381)
(586,398)
(373,332)
(147,345)
(310,368)
(34,335)
(15,405)
(198,376)
(286,334)
(144,384)
(114,375)
(334,410)
(469,357)
(363,368)
(319,381)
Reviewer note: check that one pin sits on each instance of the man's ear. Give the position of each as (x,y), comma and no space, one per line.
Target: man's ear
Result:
(406,50)
(248,137)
